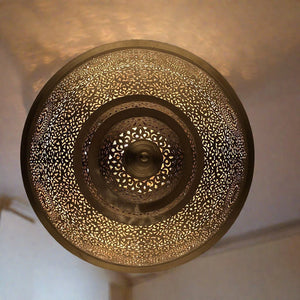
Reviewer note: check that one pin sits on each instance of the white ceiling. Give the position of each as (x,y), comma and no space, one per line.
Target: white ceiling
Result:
(254,44)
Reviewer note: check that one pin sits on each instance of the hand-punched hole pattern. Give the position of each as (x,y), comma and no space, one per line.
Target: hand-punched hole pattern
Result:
(138,71)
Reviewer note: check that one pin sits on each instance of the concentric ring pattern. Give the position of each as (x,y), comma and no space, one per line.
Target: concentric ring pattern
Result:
(107,74)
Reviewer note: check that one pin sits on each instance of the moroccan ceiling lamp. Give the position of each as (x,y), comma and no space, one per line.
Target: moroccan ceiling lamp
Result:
(137,156)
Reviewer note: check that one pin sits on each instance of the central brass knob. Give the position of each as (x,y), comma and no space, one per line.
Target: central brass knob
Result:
(142,159)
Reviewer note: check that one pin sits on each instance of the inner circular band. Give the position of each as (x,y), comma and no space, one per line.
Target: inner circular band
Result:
(106,200)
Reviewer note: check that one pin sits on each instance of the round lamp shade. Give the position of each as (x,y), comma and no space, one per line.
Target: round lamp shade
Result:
(137,156)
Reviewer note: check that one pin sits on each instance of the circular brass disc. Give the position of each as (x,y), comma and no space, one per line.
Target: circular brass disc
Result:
(137,156)
(142,159)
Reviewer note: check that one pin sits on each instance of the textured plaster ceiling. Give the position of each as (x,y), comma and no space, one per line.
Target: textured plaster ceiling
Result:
(254,44)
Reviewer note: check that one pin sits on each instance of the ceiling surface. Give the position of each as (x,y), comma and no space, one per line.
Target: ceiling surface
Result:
(255,45)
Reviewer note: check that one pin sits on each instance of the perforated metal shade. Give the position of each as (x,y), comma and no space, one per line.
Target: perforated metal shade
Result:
(137,156)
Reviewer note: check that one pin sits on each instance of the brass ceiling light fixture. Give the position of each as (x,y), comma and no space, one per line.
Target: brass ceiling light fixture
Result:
(137,156)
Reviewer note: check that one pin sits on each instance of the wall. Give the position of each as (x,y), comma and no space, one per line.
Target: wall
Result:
(265,271)
(33,266)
